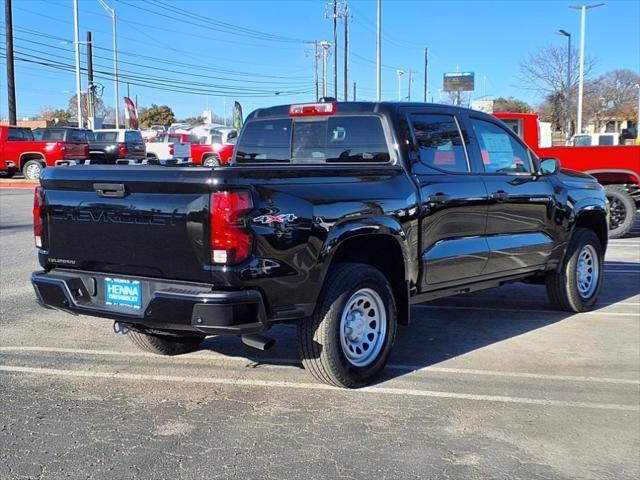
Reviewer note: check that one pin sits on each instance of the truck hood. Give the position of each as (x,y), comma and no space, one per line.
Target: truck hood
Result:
(575,179)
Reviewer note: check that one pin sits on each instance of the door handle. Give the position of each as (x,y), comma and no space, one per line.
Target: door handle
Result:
(500,196)
(113,190)
(439,198)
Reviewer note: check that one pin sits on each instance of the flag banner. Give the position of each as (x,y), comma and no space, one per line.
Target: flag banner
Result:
(237,116)
(130,113)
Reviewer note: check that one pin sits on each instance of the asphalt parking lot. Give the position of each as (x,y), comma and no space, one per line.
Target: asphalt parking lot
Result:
(488,385)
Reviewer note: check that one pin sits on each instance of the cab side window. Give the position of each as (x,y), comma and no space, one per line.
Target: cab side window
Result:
(501,153)
(440,142)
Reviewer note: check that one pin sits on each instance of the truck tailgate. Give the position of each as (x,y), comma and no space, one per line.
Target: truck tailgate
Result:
(142,220)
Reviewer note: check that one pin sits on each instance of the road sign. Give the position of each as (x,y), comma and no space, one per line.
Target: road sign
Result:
(458,82)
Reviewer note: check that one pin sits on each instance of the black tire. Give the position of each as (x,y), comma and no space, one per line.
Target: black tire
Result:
(165,344)
(7,174)
(29,169)
(319,340)
(622,210)
(562,284)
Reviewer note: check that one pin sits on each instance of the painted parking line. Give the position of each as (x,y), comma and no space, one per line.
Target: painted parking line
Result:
(528,310)
(294,362)
(235,382)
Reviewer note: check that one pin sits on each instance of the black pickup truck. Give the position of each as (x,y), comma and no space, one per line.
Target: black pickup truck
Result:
(337,216)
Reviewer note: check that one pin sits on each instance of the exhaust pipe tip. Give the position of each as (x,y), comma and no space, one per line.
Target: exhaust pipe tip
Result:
(259,342)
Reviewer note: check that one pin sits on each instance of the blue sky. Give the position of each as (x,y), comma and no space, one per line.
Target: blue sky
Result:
(219,47)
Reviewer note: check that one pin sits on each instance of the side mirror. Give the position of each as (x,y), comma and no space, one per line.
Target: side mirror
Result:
(549,166)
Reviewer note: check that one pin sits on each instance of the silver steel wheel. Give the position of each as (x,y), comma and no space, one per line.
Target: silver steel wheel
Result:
(363,327)
(587,271)
(33,171)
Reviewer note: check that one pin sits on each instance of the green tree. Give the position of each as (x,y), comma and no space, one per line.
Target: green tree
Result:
(54,114)
(192,120)
(510,104)
(156,115)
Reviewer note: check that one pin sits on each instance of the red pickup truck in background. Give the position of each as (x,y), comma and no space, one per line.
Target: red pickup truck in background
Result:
(615,167)
(20,152)
(207,150)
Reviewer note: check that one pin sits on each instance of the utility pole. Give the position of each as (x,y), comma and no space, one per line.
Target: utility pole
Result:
(379,52)
(315,61)
(77,45)
(583,9)
(354,94)
(325,52)
(113,15)
(410,72)
(11,79)
(316,55)
(399,73)
(91,86)
(426,64)
(345,18)
(335,49)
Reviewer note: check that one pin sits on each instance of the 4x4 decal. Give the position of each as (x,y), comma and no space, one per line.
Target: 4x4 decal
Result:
(282,218)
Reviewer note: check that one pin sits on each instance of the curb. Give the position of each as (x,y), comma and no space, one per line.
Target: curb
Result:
(22,185)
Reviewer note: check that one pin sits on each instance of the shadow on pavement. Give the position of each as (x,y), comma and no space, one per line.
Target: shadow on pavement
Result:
(439,332)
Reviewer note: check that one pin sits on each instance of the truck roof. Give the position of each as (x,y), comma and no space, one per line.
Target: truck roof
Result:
(354,107)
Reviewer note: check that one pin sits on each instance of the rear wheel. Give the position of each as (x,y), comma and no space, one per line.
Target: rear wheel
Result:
(576,284)
(347,341)
(211,161)
(165,344)
(32,169)
(622,210)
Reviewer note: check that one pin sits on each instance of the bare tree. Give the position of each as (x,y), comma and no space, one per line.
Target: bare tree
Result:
(545,72)
(613,97)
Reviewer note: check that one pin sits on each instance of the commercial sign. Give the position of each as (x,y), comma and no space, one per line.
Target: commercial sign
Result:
(458,82)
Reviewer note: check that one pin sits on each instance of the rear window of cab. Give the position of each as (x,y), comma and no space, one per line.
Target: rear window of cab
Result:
(335,139)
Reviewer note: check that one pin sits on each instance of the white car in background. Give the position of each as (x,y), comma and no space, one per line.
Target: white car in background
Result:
(169,146)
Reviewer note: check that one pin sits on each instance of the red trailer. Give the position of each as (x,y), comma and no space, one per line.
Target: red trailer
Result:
(615,167)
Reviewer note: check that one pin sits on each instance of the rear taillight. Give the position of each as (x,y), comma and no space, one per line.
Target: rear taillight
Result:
(37,216)
(230,241)
(171,149)
(122,150)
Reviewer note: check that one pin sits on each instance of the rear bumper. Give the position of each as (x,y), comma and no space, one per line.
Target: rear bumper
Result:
(166,305)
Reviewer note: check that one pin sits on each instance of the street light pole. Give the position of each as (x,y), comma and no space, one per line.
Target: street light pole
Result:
(583,10)
(112,13)
(379,53)
(325,51)
(76,34)
(564,33)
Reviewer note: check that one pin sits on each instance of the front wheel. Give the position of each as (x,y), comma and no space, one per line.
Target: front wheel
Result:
(32,170)
(165,344)
(622,210)
(348,339)
(576,284)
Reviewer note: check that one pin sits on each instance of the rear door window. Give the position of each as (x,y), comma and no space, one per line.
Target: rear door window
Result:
(440,143)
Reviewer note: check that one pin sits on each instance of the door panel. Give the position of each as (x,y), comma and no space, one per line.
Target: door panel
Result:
(453,201)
